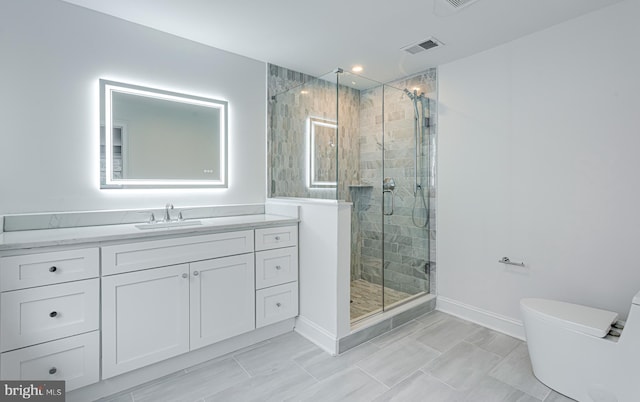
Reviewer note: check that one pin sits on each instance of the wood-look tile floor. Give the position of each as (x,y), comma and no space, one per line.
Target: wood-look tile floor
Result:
(434,358)
(366,298)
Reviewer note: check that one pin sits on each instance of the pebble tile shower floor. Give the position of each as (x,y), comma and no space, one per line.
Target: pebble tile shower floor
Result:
(434,358)
(366,298)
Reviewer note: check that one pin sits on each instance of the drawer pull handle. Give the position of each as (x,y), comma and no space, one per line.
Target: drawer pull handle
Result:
(53,269)
(277,238)
(278,267)
(278,304)
(53,314)
(196,273)
(53,370)
(185,276)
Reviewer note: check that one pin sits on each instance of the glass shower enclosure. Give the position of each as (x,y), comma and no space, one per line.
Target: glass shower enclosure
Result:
(343,136)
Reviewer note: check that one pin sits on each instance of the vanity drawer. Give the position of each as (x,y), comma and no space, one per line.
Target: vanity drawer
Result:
(30,270)
(276,237)
(42,314)
(74,360)
(157,253)
(276,303)
(275,267)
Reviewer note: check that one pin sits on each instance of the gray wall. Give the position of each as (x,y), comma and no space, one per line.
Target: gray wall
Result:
(539,162)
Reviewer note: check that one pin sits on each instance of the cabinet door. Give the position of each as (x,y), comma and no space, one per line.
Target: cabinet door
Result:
(222,299)
(145,318)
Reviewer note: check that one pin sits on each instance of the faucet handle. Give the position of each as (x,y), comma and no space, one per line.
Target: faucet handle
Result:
(180,218)
(152,218)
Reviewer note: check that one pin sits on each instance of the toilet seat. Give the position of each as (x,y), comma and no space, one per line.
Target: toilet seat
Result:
(587,320)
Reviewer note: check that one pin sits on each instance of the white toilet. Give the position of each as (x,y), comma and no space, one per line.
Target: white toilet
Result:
(573,353)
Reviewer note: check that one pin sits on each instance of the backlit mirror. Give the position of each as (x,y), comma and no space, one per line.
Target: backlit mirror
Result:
(323,152)
(152,138)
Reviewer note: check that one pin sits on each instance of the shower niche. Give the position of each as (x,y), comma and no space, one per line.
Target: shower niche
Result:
(343,136)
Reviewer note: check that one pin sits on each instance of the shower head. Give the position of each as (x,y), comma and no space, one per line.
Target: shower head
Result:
(410,94)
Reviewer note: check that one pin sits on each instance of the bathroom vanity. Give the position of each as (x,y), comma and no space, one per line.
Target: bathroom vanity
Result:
(88,304)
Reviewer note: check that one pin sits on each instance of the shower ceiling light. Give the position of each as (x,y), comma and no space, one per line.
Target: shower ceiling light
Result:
(357,69)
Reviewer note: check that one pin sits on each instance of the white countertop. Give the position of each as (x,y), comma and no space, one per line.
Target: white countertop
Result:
(28,239)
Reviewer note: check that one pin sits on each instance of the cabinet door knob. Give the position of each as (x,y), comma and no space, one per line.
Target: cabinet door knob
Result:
(278,304)
(53,269)
(278,267)
(277,237)
(196,273)
(53,370)
(185,276)
(53,314)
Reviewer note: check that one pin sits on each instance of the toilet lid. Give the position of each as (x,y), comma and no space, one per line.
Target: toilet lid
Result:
(588,320)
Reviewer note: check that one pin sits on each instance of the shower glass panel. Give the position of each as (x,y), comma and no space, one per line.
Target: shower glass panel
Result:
(406,220)
(365,139)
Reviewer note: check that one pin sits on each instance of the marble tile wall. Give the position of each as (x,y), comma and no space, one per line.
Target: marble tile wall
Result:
(293,99)
(409,249)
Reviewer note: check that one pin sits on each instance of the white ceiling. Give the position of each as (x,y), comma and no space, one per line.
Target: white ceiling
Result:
(317,37)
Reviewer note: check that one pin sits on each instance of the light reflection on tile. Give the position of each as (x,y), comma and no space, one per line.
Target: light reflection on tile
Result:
(516,371)
(463,366)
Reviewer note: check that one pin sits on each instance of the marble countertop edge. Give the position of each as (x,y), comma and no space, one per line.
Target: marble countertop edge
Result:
(30,239)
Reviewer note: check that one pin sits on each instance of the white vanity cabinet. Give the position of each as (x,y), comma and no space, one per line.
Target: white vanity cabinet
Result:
(276,274)
(155,313)
(145,318)
(222,299)
(49,317)
(114,305)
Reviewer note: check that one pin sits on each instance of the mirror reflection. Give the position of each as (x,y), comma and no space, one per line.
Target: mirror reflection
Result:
(161,139)
(323,152)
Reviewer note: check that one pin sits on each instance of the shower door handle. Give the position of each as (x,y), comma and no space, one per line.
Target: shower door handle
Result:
(392,201)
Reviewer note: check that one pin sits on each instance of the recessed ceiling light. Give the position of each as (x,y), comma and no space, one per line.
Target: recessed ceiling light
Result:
(304,92)
(356,69)
(417,89)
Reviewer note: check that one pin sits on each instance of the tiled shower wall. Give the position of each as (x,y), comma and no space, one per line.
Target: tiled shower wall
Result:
(294,98)
(408,249)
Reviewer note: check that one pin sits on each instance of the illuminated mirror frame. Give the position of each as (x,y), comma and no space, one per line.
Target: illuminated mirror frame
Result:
(107,88)
(312,124)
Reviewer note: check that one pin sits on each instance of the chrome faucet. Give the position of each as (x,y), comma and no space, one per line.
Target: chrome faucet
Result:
(167,215)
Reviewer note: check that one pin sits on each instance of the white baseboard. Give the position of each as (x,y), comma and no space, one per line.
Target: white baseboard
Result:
(317,335)
(482,317)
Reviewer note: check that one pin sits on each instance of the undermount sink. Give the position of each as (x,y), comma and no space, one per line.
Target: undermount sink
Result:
(163,225)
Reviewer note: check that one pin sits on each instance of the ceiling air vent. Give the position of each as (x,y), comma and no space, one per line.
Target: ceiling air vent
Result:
(457,4)
(422,46)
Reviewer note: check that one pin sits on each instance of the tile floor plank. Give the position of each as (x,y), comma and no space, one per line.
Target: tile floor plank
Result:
(435,357)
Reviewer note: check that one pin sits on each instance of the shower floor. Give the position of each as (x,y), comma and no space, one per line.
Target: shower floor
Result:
(366,298)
